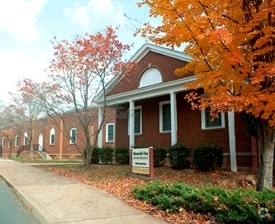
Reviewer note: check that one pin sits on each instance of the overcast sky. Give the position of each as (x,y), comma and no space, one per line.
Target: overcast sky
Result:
(27,26)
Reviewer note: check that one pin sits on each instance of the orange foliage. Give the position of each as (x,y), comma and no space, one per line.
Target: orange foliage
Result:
(232,44)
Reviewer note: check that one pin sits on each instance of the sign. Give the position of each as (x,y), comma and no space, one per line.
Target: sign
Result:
(142,161)
(140,157)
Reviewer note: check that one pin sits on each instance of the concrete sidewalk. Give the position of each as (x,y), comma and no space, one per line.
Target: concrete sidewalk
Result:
(55,199)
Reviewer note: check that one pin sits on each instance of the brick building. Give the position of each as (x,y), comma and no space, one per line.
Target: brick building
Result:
(153,97)
(147,107)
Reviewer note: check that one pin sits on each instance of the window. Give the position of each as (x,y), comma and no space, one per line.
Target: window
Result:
(137,120)
(208,123)
(150,77)
(25,139)
(73,136)
(52,136)
(3,142)
(110,132)
(16,141)
(165,116)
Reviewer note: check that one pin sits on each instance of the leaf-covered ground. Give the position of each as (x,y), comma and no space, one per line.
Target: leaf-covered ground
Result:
(116,179)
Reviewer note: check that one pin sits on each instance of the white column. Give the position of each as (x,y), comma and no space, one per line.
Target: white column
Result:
(100,117)
(131,123)
(173,106)
(232,141)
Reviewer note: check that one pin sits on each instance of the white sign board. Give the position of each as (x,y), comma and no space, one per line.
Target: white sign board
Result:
(140,157)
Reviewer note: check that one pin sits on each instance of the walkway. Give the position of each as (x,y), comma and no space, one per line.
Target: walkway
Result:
(54,199)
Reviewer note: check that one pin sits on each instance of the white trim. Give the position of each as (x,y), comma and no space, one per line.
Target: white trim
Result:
(232,141)
(151,76)
(3,142)
(52,133)
(136,108)
(203,121)
(147,92)
(160,50)
(71,132)
(136,58)
(161,116)
(25,140)
(107,132)
(16,141)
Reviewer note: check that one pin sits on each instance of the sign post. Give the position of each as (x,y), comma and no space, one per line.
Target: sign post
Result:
(142,161)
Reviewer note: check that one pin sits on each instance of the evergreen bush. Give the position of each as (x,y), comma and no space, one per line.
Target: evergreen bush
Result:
(178,154)
(95,155)
(228,206)
(122,154)
(159,155)
(207,157)
(106,154)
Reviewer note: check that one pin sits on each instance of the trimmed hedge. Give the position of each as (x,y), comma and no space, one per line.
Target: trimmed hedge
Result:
(95,155)
(106,154)
(122,155)
(178,154)
(159,155)
(207,157)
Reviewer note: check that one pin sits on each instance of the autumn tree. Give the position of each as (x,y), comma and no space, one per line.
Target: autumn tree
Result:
(6,129)
(79,71)
(9,127)
(232,45)
(27,108)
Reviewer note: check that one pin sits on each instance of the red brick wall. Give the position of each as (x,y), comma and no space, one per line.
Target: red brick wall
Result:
(189,129)
(62,142)
(164,64)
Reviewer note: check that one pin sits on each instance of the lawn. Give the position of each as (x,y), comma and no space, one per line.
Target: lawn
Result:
(116,179)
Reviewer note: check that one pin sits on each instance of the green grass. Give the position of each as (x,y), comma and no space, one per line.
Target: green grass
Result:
(27,160)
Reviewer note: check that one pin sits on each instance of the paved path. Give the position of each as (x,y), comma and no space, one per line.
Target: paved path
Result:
(54,199)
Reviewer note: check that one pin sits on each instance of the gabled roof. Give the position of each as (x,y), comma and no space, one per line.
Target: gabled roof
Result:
(160,50)
(141,53)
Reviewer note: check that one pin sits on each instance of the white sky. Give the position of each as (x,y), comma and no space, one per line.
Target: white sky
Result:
(27,26)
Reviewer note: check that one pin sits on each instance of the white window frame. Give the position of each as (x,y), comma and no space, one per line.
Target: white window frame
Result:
(25,140)
(203,121)
(52,133)
(161,115)
(16,140)
(136,108)
(3,142)
(107,132)
(140,122)
(71,132)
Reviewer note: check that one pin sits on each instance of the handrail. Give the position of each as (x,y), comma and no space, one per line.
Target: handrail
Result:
(36,148)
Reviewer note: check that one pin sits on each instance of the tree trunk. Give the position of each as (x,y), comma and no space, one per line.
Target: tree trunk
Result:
(266,156)
(10,149)
(88,155)
(31,150)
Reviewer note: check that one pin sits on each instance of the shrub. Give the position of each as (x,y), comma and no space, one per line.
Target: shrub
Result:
(95,155)
(122,154)
(207,157)
(178,154)
(159,155)
(106,154)
(228,206)
(138,146)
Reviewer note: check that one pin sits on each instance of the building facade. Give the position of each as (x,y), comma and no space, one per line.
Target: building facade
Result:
(147,107)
